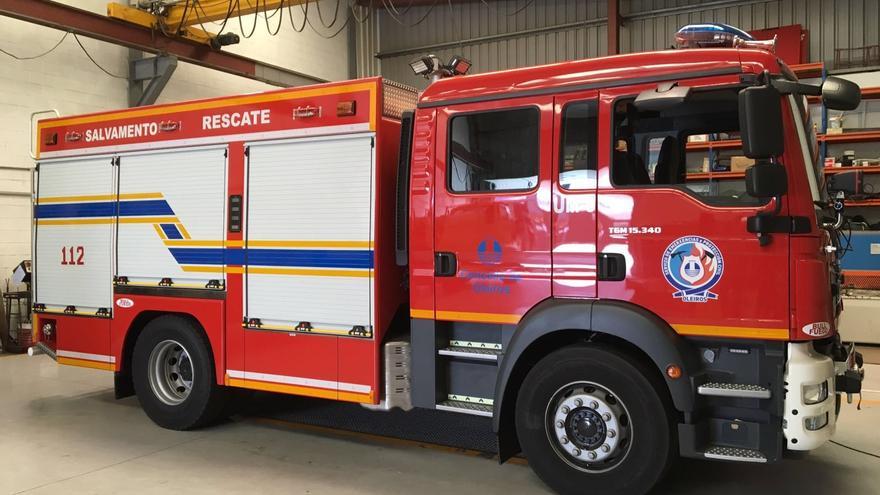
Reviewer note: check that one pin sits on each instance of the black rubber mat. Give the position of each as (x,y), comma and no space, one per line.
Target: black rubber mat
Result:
(420,425)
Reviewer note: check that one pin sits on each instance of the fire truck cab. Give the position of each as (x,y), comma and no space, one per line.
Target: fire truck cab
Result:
(525,245)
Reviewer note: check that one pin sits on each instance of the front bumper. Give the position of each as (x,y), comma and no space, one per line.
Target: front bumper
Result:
(808,426)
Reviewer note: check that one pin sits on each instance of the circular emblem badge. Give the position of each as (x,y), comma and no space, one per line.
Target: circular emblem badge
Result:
(693,265)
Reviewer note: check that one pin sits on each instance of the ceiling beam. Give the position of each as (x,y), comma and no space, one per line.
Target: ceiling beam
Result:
(189,14)
(82,22)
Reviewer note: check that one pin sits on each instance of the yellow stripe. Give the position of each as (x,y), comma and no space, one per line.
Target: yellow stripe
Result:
(292,244)
(426,314)
(735,332)
(103,221)
(289,328)
(328,244)
(356,397)
(283,388)
(160,231)
(148,220)
(203,269)
(75,221)
(85,363)
(478,317)
(183,230)
(98,197)
(226,102)
(304,272)
(191,243)
(307,272)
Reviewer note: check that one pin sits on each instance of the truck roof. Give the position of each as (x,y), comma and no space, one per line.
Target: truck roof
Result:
(618,70)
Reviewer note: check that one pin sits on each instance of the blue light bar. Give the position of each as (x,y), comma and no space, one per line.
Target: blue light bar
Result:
(709,35)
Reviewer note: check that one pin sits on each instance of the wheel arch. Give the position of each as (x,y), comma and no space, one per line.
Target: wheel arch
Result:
(123,385)
(556,323)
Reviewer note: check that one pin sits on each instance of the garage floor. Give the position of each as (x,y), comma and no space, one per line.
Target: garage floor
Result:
(61,431)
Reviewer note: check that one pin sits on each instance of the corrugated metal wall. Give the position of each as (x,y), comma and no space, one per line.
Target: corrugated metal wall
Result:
(514,33)
(500,35)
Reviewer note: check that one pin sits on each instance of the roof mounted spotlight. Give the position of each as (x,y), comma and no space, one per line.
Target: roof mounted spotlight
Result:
(224,39)
(459,65)
(431,68)
(424,66)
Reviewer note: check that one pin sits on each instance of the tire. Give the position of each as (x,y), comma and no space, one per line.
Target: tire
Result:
(173,374)
(596,398)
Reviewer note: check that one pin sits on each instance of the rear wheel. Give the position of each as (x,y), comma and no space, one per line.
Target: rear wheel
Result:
(173,373)
(590,420)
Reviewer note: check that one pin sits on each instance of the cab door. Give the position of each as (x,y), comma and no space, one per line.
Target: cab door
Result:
(680,226)
(492,210)
(574,195)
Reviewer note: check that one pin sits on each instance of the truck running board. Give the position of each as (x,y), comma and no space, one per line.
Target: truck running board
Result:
(466,408)
(738,390)
(736,454)
(476,353)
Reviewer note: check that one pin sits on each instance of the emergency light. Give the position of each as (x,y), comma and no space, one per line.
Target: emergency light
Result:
(716,35)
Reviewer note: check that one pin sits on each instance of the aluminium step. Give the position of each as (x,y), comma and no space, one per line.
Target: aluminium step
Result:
(737,390)
(465,408)
(476,353)
(736,454)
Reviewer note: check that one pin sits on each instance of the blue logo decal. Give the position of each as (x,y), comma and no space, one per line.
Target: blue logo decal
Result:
(693,265)
(489,252)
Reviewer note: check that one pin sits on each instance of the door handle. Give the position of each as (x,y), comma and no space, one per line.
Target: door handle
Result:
(445,265)
(612,267)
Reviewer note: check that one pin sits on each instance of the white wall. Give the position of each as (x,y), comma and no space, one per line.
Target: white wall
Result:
(65,80)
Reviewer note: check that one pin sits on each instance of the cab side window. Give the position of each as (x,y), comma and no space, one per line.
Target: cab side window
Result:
(494,151)
(693,146)
(577,163)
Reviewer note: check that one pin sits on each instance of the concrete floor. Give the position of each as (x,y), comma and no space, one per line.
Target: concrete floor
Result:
(61,431)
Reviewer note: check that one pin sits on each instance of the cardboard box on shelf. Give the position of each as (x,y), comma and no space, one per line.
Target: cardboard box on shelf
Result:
(740,163)
(698,138)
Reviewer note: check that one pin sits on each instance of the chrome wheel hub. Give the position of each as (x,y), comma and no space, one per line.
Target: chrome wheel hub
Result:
(588,426)
(170,372)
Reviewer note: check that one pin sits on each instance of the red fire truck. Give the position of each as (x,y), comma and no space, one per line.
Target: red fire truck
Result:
(525,245)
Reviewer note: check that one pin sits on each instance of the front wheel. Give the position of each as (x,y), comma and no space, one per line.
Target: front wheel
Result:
(590,420)
(173,373)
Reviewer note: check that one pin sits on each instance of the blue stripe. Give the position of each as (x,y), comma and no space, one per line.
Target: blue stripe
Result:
(153,207)
(82,210)
(171,231)
(312,258)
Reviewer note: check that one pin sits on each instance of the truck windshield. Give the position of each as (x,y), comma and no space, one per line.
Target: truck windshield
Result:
(809,145)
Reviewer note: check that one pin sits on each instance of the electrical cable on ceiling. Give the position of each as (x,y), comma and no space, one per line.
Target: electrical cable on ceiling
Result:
(397,18)
(78,42)
(515,12)
(19,57)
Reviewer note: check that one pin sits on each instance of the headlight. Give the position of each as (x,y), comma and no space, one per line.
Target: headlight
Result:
(814,394)
(814,423)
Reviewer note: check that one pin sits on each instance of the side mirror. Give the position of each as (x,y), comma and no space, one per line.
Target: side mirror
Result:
(766,180)
(760,122)
(665,96)
(840,94)
(849,183)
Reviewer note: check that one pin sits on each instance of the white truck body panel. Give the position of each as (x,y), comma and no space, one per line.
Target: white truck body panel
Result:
(192,182)
(75,212)
(309,233)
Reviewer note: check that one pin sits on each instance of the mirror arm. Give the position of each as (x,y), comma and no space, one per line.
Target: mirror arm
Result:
(787,87)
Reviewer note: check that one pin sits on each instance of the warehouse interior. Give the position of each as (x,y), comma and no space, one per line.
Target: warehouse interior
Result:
(82,429)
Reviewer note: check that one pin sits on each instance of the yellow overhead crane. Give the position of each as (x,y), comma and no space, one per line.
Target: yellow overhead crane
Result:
(184,15)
